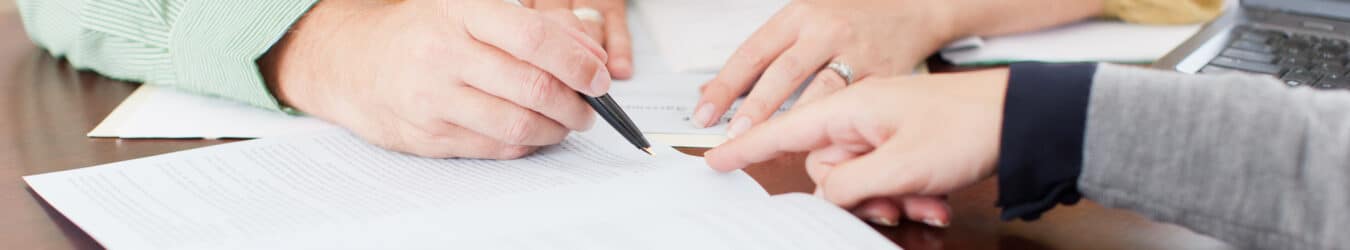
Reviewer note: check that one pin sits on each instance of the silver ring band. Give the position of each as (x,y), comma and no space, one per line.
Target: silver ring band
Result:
(843,70)
(588,14)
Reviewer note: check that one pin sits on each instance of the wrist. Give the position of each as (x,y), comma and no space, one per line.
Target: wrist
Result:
(949,20)
(296,66)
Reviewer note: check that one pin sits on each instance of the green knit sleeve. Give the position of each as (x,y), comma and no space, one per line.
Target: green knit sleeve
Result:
(205,47)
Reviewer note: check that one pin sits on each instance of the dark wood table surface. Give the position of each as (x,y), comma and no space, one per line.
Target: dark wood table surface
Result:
(47,106)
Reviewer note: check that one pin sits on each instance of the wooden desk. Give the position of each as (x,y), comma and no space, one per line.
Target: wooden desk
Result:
(46,107)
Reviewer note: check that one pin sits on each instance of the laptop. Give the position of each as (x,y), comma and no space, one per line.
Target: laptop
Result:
(1302,42)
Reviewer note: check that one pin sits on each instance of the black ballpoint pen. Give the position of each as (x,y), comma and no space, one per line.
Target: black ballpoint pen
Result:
(614,115)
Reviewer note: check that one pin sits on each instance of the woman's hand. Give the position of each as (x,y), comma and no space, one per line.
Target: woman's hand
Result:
(609,28)
(440,78)
(907,140)
(876,38)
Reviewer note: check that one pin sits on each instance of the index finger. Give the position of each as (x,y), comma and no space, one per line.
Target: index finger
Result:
(800,130)
(531,37)
(747,63)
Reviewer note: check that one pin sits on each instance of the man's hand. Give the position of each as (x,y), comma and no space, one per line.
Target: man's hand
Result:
(611,30)
(439,78)
(895,143)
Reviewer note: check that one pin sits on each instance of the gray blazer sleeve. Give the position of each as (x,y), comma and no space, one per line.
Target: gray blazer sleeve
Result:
(1238,157)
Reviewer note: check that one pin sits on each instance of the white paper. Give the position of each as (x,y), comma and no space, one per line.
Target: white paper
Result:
(1086,41)
(698,36)
(162,112)
(331,185)
(784,222)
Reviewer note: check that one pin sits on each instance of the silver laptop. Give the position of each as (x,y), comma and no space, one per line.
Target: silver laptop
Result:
(1302,42)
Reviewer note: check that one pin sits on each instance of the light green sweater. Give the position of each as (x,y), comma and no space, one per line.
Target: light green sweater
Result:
(208,47)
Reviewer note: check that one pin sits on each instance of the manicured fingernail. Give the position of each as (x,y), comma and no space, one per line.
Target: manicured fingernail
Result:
(740,125)
(935,222)
(703,115)
(600,83)
(883,221)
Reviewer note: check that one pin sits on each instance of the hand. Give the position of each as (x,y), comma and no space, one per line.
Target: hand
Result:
(611,31)
(435,78)
(920,136)
(876,38)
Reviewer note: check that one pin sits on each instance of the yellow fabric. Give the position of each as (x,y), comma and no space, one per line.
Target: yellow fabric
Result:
(1164,11)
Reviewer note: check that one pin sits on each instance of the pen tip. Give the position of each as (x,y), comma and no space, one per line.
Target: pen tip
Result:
(648,150)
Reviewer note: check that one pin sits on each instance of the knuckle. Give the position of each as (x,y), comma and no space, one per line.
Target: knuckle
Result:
(755,107)
(539,88)
(717,90)
(533,33)
(830,80)
(518,130)
(514,152)
(396,143)
(436,127)
(428,49)
(790,64)
(405,141)
(584,67)
(834,23)
(751,57)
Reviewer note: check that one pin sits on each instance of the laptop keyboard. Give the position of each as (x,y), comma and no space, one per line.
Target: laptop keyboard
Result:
(1298,59)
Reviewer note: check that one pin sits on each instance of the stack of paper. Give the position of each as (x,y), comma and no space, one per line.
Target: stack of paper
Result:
(330,190)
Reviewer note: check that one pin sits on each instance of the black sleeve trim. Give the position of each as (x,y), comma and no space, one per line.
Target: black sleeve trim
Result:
(1041,149)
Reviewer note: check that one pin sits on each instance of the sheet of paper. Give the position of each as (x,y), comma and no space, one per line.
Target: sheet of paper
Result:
(668,119)
(697,36)
(786,222)
(261,193)
(1087,41)
(161,112)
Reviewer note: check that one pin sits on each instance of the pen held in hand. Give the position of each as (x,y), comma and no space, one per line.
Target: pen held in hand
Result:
(614,115)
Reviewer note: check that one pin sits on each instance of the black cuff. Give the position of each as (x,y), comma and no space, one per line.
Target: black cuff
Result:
(1041,149)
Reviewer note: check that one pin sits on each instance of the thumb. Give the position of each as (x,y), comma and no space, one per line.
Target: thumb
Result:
(879,173)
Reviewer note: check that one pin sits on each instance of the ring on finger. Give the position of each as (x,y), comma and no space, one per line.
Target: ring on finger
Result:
(844,70)
(588,14)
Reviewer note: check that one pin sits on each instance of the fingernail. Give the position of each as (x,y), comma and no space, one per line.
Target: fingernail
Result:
(600,83)
(819,193)
(740,125)
(935,222)
(883,221)
(703,115)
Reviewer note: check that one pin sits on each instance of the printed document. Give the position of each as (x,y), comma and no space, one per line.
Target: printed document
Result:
(330,189)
